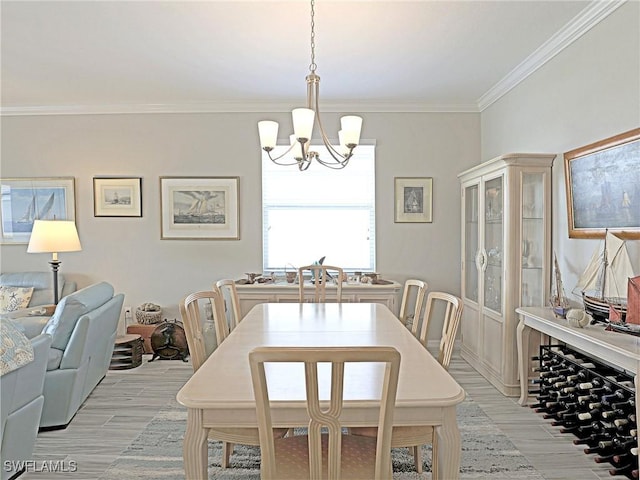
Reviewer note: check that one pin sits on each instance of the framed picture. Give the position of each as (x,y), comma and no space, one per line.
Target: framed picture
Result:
(200,208)
(117,197)
(603,187)
(27,199)
(413,199)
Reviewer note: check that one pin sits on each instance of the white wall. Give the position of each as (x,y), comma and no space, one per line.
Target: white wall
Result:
(128,252)
(589,92)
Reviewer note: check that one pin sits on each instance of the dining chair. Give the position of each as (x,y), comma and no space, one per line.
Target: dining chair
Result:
(230,295)
(325,451)
(320,277)
(411,319)
(190,310)
(414,437)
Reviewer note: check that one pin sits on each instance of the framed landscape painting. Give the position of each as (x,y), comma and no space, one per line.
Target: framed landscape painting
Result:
(27,199)
(603,187)
(413,199)
(117,197)
(200,208)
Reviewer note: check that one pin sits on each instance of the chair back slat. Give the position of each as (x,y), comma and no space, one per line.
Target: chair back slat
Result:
(321,275)
(229,293)
(190,310)
(411,319)
(451,321)
(328,418)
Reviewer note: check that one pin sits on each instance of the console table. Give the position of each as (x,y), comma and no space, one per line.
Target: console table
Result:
(617,349)
(281,292)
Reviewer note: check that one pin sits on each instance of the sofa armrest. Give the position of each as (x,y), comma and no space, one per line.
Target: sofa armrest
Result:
(39,311)
(77,348)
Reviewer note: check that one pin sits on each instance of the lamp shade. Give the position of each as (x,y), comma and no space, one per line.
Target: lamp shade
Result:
(53,236)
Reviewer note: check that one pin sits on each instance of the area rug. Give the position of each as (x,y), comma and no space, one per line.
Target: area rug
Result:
(157,452)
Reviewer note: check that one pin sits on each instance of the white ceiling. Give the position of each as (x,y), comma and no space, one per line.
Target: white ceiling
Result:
(110,56)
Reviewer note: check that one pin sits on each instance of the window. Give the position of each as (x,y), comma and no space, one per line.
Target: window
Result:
(319,213)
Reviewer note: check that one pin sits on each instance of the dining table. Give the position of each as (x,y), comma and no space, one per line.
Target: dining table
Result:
(220,393)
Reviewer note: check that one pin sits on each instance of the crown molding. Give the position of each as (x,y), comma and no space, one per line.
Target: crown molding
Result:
(240,107)
(589,17)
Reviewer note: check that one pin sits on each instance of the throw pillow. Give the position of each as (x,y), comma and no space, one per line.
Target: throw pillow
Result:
(14,298)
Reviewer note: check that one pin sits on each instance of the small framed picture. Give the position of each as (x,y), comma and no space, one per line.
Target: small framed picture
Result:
(413,199)
(117,197)
(200,208)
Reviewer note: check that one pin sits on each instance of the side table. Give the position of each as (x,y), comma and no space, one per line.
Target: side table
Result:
(145,332)
(127,352)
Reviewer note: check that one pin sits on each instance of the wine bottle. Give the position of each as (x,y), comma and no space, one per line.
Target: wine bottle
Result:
(605,459)
(624,470)
(612,414)
(604,447)
(628,405)
(614,397)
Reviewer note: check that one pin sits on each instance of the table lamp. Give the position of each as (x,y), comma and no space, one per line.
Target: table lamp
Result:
(54,236)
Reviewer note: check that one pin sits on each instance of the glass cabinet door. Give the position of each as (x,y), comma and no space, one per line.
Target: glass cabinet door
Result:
(493,243)
(532,249)
(471,242)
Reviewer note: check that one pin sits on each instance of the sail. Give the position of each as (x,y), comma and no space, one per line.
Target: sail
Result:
(28,215)
(46,208)
(608,271)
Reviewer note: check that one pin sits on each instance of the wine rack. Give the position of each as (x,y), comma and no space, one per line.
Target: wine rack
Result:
(591,400)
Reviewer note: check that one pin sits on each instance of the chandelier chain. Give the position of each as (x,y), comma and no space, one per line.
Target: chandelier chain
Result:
(312,65)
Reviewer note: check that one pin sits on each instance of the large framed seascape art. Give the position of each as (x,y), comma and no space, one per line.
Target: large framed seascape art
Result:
(27,199)
(603,187)
(200,208)
(117,196)
(413,199)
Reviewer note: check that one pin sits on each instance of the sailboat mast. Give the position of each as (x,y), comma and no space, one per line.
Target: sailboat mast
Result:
(604,265)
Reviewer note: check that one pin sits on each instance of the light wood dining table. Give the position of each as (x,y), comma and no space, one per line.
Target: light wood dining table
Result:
(220,394)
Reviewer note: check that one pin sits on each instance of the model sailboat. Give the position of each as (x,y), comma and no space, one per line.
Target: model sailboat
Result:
(603,284)
(559,301)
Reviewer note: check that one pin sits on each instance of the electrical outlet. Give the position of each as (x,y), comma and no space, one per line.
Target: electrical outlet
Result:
(127,314)
(127,310)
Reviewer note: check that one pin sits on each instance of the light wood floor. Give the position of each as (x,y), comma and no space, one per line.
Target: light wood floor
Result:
(126,401)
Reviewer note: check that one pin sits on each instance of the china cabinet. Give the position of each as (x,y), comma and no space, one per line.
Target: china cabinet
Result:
(506,258)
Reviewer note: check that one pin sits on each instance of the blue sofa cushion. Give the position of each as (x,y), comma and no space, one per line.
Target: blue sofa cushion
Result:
(42,283)
(71,308)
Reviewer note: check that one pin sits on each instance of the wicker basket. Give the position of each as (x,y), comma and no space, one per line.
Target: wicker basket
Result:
(148,318)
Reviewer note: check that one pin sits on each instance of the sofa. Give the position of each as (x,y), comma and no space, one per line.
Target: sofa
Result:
(83,328)
(22,399)
(42,296)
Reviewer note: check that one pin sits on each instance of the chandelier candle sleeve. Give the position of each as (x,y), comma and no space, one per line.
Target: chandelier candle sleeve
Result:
(268,130)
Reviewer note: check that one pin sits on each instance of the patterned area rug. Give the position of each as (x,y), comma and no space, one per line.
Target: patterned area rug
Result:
(157,452)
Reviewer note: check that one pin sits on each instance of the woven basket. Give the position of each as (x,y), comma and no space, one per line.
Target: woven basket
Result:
(148,318)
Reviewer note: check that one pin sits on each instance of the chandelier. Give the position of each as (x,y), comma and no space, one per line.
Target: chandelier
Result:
(303,119)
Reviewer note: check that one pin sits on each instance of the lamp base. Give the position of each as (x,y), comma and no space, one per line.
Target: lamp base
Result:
(55,265)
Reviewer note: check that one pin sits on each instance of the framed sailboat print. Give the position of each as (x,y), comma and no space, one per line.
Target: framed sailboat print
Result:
(603,187)
(117,196)
(200,208)
(27,199)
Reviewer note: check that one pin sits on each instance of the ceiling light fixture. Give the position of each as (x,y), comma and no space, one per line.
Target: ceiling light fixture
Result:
(303,118)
